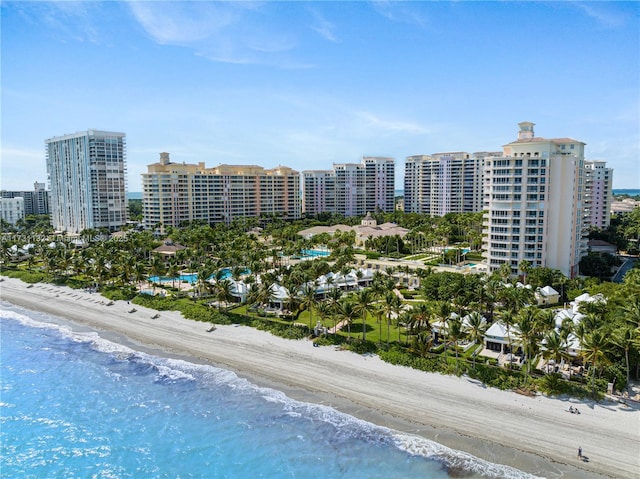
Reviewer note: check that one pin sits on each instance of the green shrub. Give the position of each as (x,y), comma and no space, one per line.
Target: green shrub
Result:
(198,312)
(362,347)
(30,277)
(554,385)
(330,340)
(115,293)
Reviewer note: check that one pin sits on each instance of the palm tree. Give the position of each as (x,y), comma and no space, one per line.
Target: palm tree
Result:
(455,334)
(631,311)
(379,311)
(555,347)
(546,320)
(392,306)
(422,344)
(594,347)
(421,314)
(476,327)
(205,271)
(324,311)
(364,305)
(529,333)
(348,312)
(525,267)
(139,273)
(507,318)
(308,300)
(173,271)
(223,292)
(334,296)
(157,269)
(624,338)
(597,309)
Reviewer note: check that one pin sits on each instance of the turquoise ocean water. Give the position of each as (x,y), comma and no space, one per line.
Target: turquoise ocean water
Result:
(74,405)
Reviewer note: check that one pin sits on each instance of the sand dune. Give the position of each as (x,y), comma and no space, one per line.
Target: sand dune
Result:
(536,434)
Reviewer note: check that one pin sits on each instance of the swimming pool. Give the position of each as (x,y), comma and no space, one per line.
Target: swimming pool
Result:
(464,250)
(314,253)
(192,278)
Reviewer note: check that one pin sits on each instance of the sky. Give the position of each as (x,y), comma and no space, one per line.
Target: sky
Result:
(309,84)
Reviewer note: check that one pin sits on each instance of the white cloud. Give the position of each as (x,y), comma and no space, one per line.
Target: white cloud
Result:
(324,27)
(393,126)
(66,21)
(400,12)
(182,23)
(606,16)
(228,32)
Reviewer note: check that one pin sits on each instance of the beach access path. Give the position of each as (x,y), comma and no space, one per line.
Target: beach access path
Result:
(534,434)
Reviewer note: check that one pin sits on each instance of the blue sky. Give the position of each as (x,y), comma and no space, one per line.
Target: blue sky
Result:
(307,84)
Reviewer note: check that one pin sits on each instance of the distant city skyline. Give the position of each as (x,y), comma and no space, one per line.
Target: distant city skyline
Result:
(309,84)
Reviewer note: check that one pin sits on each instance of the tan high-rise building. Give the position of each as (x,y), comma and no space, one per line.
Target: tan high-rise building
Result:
(535,204)
(173,193)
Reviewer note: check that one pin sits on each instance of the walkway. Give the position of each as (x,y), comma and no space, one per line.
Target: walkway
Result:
(626,266)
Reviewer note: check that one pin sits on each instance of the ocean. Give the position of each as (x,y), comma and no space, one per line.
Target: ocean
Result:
(74,404)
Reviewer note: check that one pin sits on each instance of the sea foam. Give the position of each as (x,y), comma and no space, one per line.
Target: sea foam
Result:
(336,430)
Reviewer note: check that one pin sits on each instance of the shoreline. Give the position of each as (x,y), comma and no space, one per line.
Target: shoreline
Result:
(535,435)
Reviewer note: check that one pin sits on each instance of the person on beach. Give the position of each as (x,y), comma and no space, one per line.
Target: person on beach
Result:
(579,452)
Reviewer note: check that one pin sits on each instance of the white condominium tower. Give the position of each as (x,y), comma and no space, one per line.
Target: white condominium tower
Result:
(318,191)
(535,204)
(599,179)
(173,193)
(350,189)
(87,177)
(444,183)
(379,183)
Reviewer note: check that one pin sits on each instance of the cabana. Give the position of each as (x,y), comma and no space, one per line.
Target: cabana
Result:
(497,339)
(547,295)
(587,298)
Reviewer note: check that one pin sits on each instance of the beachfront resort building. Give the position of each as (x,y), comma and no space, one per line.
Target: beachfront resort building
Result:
(599,195)
(173,193)
(12,209)
(535,204)
(36,202)
(87,177)
(444,183)
(350,189)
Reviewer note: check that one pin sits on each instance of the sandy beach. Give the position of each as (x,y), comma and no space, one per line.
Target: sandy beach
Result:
(536,435)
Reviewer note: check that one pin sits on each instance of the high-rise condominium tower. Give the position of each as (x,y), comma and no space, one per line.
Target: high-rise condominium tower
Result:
(176,192)
(599,180)
(87,175)
(379,183)
(535,203)
(444,183)
(350,189)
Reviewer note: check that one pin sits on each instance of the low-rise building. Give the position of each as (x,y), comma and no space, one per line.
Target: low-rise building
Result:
(12,209)
(36,202)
